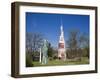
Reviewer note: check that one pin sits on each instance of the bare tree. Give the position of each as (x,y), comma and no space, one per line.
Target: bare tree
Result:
(84,40)
(72,44)
(76,42)
(73,39)
(29,37)
(84,44)
(37,41)
(33,41)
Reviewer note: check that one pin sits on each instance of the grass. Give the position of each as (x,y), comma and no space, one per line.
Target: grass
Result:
(84,60)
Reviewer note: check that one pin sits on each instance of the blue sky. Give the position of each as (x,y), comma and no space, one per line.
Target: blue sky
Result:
(49,25)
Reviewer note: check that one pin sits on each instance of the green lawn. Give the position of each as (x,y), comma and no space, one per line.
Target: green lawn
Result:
(84,60)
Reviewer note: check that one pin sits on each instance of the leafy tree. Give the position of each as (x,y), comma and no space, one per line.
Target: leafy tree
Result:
(50,50)
(29,60)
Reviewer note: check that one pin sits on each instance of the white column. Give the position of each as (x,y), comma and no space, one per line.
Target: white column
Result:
(40,56)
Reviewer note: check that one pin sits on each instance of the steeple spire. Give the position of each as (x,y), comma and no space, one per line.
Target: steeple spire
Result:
(62,33)
(61,40)
(61,45)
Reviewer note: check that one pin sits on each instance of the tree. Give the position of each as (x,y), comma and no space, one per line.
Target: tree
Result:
(84,40)
(29,61)
(84,44)
(29,42)
(33,42)
(73,43)
(78,44)
(37,41)
(50,50)
(29,50)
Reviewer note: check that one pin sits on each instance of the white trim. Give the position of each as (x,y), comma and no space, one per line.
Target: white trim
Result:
(52,69)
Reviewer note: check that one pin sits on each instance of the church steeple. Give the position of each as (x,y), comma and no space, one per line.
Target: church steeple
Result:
(61,45)
(61,28)
(61,33)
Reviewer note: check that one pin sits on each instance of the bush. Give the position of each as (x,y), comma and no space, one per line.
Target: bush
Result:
(55,57)
(50,58)
(29,60)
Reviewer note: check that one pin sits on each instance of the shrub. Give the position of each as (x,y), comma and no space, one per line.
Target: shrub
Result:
(29,60)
